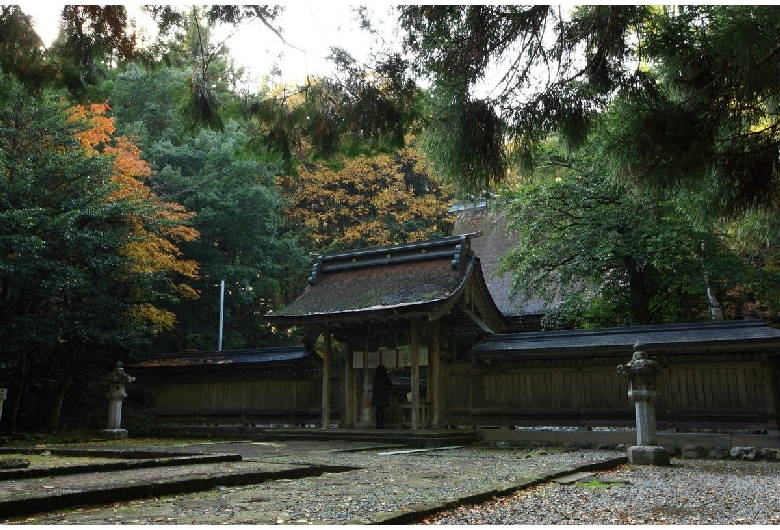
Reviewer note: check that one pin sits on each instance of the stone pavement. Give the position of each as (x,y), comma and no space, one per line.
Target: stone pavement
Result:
(286,482)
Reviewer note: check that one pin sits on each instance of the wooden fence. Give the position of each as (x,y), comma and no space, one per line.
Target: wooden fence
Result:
(707,391)
(271,398)
(734,391)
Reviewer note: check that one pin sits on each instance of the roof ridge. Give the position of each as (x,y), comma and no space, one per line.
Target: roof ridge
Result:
(723,324)
(454,247)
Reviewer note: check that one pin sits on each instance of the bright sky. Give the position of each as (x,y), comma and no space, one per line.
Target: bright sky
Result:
(309,29)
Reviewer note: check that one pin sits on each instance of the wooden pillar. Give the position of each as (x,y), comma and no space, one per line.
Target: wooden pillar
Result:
(665,406)
(326,382)
(350,391)
(415,373)
(435,380)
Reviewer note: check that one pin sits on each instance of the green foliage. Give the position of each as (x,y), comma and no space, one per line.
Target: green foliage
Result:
(92,40)
(473,137)
(713,121)
(611,258)
(464,141)
(211,90)
(756,237)
(69,290)
(685,97)
(243,238)
(20,49)
(146,103)
(359,112)
(60,233)
(227,178)
(596,484)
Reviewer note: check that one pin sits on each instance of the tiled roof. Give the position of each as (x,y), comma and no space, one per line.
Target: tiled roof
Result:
(263,356)
(672,337)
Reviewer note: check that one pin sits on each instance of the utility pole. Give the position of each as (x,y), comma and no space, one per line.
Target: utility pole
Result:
(221,312)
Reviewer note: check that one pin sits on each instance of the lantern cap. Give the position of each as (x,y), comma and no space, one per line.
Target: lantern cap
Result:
(640,363)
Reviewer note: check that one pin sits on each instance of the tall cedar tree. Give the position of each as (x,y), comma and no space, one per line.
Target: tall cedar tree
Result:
(691,92)
(74,287)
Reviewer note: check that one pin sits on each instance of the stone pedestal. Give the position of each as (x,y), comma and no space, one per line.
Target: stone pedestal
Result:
(115,397)
(113,434)
(646,433)
(652,455)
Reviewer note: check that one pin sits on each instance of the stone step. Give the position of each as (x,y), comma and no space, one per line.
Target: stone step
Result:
(574,477)
(422,438)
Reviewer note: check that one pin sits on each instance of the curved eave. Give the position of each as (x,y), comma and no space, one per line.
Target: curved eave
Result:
(484,302)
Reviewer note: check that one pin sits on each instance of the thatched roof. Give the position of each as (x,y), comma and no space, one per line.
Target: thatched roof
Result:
(424,279)
(491,247)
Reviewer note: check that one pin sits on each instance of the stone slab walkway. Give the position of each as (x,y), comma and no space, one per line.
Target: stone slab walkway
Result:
(292,482)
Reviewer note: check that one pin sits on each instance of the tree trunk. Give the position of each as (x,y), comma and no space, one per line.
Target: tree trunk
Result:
(640,303)
(18,389)
(60,389)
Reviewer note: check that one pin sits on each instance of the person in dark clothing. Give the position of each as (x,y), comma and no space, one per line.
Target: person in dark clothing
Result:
(381,396)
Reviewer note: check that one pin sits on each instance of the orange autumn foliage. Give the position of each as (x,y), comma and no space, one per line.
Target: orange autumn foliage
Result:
(369,201)
(157,225)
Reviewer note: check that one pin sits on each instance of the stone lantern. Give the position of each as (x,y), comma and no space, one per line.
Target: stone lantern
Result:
(116,393)
(642,375)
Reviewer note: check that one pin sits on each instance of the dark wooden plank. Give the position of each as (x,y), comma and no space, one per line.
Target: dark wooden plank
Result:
(741,386)
(568,394)
(730,375)
(514,397)
(617,393)
(549,391)
(529,391)
(558,390)
(709,395)
(700,401)
(14,463)
(587,389)
(755,394)
(682,390)
(602,390)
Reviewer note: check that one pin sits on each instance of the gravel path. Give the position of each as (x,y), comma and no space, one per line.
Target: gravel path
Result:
(711,492)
